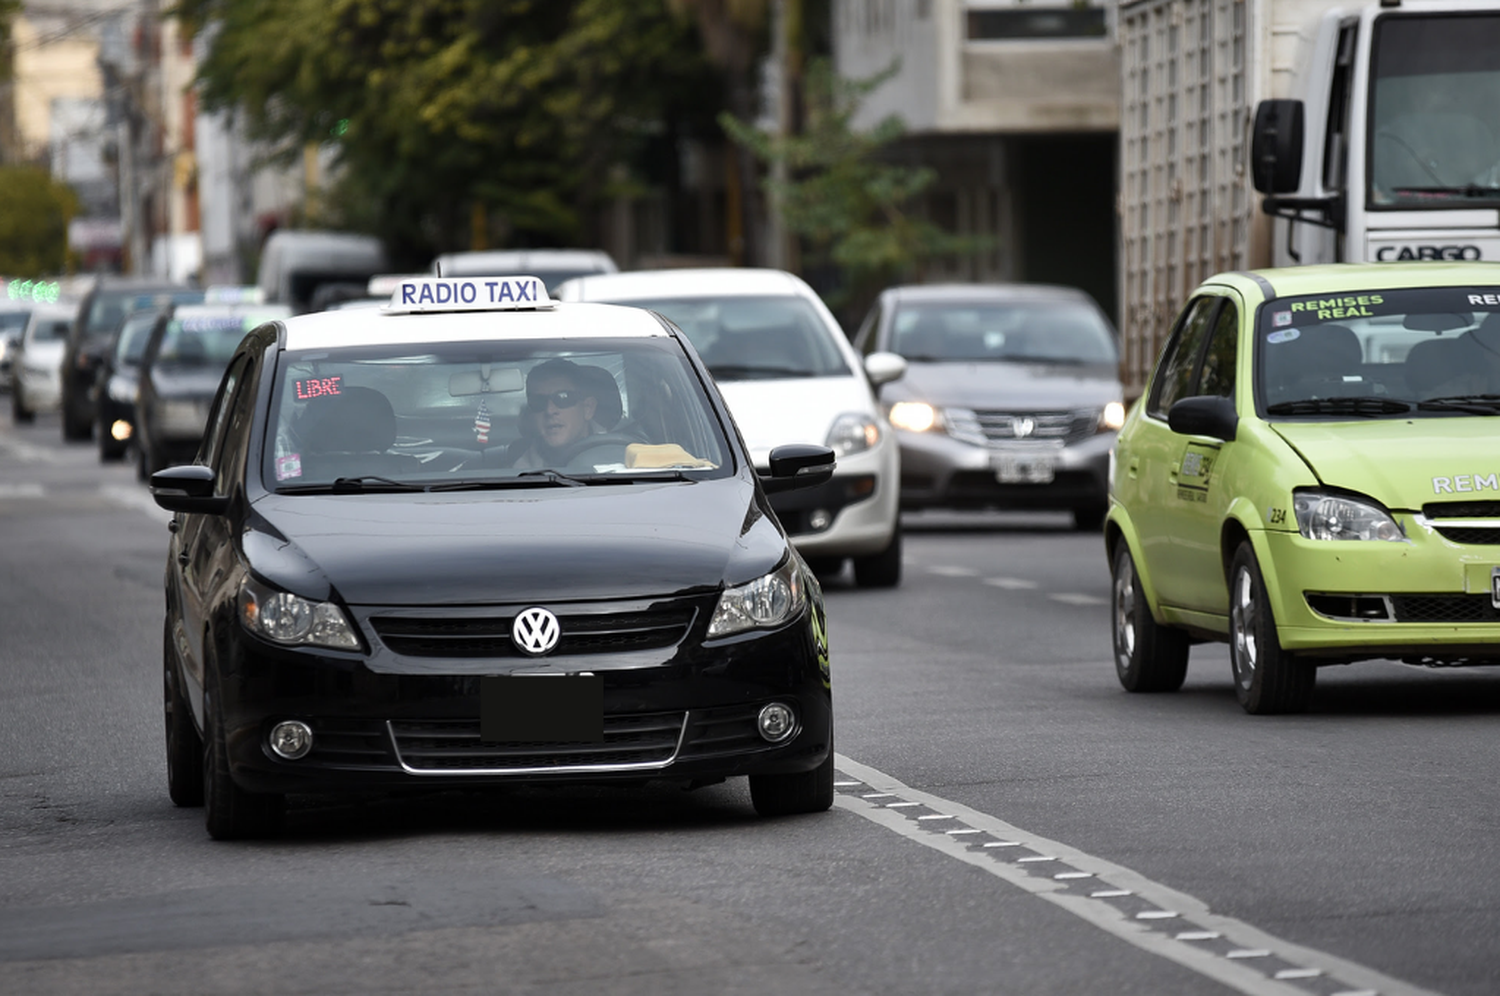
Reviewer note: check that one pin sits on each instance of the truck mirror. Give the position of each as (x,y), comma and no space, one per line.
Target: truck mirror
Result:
(1276,147)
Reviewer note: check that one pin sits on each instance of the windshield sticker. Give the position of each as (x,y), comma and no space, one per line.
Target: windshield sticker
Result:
(289,466)
(1281,318)
(1354,306)
(1285,335)
(317,387)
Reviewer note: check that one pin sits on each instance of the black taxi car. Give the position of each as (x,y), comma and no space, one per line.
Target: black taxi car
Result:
(476,537)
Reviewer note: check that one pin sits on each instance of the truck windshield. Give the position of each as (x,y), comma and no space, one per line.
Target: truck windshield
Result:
(1429,352)
(1435,110)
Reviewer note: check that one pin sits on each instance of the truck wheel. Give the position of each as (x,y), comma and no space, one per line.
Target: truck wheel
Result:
(1267,679)
(1149,657)
(184,746)
(883,569)
(231,813)
(788,795)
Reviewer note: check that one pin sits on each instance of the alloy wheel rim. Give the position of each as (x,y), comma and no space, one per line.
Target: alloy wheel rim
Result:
(1125,614)
(1242,616)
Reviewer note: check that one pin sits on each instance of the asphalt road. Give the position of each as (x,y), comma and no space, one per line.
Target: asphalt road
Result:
(1008,820)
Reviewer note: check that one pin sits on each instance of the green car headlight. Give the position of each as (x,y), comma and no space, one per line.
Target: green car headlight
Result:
(1325,516)
(294,621)
(768,601)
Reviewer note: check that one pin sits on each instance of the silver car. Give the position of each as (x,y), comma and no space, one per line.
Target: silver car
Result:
(1011,396)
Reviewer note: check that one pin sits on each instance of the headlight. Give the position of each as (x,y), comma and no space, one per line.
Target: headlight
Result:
(1323,516)
(1113,416)
(292,620)
(852,433)
(764,603)
(913,416)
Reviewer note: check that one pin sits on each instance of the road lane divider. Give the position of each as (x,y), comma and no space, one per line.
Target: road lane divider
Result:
(1146,914)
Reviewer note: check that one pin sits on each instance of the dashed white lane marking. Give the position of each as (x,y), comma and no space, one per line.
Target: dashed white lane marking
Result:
(1068,598)
(1151,916)
(1011,584)
(27,453)
(949,571)
(22,489)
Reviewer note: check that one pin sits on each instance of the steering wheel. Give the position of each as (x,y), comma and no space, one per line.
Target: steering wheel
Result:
(614,441)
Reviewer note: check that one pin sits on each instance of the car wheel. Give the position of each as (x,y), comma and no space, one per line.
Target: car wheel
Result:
(18,410)
(789,795)
(1267,679)
(883,569)
(75,429)
(184,746)
(1149,657)
(826,567)
(1089,518)
(231,813)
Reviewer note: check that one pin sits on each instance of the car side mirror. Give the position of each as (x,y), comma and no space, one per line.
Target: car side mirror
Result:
(798,465)
(187,489)
(1204,416)
(882,368)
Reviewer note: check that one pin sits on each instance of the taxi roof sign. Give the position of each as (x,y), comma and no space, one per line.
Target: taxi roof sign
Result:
(417,295)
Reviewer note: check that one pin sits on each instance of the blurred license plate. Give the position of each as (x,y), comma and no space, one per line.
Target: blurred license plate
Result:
(541,708)
(1023,468)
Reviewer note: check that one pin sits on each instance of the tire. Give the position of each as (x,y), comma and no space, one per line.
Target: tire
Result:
(20,414)
(883,569)
(229,812)
(1090,518)
(1149,657)
(826,567)
(1267,679)
(184,746)
(791,795)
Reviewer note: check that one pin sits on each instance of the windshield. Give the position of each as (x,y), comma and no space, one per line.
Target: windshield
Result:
(1396,354)
(13,321)
(535,413)
(134,335)
(112,307)
(1435,110)
(1019,331)
(755,338)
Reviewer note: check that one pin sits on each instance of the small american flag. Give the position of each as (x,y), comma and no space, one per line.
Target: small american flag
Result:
(482,422)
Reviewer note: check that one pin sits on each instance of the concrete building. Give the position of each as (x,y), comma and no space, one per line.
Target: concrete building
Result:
(1016,106)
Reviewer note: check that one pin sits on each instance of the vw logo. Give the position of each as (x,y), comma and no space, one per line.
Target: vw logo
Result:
(1021,427)
(535,632)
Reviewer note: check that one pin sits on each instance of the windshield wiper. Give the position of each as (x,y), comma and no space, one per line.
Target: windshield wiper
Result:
(1370,406)
(735,371)
(1474,404)
(350,486)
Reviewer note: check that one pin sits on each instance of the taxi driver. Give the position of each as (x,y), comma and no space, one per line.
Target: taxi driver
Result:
(562,409)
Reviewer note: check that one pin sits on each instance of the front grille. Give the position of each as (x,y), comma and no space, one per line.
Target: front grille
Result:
(1445,609)
(489,636)
(645,741)
(1007,427)
(1471,535)
(350,743)
(713,732)
(1462,510)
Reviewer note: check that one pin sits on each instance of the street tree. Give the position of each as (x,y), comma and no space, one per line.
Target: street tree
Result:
(437,108)
(34,213)
(842,191)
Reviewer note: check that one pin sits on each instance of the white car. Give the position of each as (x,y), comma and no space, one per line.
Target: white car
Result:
(36,366)
(789,375)
(551,266)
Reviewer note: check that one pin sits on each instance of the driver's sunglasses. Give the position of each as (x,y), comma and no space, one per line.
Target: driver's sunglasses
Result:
(560,399)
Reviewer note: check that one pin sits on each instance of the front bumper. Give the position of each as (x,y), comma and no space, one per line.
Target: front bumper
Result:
(862,498)
(386,722)
(1427,600)
(938,471)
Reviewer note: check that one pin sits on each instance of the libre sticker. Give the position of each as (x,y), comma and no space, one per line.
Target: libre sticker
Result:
(1281,318)
(289,466)
(1285,335)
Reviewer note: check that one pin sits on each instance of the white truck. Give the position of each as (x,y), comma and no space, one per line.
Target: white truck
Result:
(1372,130)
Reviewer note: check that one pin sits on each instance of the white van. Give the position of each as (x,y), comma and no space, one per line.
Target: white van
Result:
(294,264)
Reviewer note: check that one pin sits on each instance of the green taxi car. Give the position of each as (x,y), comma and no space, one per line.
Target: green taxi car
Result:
(1313,477)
